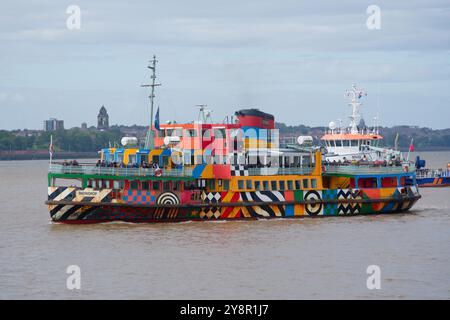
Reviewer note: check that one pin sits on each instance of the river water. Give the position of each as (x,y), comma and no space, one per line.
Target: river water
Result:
(276,259)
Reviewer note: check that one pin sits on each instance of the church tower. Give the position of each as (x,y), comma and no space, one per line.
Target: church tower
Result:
(102,119)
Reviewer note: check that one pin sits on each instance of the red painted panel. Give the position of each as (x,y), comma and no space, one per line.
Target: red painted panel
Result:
(221,171)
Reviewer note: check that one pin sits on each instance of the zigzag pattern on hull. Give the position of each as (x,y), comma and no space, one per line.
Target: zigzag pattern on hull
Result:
(349,208)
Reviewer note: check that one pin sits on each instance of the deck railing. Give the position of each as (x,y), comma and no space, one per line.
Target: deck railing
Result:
(430,173)
(271,171)
(94,170)
(365,169)
(183,172)
(187,172)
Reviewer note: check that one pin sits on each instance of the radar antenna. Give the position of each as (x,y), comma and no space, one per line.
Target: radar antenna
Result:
(355,94)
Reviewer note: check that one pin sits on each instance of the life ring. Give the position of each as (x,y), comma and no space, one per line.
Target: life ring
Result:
(158,172)
(406,168)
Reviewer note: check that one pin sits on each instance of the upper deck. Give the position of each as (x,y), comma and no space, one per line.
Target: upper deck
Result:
(183,172)
(192,172)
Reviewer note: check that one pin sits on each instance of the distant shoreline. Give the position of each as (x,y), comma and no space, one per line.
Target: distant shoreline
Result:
(43,154)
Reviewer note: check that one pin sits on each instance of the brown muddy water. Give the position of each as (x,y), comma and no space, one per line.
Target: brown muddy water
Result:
(276,259)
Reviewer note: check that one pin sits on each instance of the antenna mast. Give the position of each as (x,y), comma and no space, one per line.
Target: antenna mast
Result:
(204,114)
(149,139)
(355,94)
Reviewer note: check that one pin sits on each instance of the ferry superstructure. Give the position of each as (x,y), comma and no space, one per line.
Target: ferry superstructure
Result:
(221,171)
(355,142)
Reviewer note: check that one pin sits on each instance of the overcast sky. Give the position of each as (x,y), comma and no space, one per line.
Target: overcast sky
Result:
(292,58)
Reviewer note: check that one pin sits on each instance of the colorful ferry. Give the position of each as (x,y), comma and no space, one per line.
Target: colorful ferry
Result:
(220,171)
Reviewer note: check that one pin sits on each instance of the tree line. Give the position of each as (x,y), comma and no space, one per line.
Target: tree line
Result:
(75,139)
(78,140)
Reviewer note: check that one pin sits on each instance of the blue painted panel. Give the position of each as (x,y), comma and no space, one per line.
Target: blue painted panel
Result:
(197,172)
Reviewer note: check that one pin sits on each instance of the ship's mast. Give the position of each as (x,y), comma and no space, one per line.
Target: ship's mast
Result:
(204,114)
(355,94)
(149,139)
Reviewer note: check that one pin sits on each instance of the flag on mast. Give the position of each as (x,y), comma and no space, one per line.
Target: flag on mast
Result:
(157,120)
(411,146)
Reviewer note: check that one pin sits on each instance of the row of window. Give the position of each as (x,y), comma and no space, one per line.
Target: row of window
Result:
(347,143)
(274,185)
(219,133)
(140,185)
(257,185)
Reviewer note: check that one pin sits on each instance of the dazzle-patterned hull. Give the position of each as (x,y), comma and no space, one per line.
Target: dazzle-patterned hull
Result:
(76,205)
(224,171)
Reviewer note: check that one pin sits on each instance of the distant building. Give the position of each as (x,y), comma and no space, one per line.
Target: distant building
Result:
(53,124)
(84,126)
(102,119)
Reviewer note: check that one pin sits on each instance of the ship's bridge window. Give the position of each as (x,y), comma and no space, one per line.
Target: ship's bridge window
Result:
(354,143)
(282,186)
(338,143)
(346,143)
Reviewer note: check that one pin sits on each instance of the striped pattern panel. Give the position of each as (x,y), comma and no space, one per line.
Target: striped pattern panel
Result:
(62,212)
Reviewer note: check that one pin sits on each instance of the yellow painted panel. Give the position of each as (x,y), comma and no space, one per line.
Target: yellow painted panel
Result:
(207,172)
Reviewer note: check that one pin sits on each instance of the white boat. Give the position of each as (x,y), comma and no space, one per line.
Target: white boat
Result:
(356,142)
